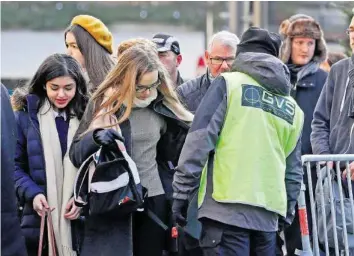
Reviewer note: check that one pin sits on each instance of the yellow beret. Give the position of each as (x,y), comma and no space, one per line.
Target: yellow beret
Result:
(96,28)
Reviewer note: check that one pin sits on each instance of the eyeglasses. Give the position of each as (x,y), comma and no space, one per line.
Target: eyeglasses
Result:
(349,31)
(143,88)
(219,61)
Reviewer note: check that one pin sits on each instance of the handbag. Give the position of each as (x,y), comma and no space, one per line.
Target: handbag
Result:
(47,213)
(108,183)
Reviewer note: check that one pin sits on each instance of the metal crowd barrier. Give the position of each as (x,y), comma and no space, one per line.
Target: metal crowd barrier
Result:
(332,209)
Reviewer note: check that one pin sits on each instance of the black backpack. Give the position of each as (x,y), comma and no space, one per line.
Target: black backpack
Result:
(108,183)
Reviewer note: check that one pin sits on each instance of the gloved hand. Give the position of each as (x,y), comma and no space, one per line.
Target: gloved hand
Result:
(107,137)
(179,207)
(282,224)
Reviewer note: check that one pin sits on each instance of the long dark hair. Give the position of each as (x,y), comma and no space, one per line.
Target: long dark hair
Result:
(58,65)
(98,60)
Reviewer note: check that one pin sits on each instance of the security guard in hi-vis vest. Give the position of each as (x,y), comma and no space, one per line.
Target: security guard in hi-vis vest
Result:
(241,158)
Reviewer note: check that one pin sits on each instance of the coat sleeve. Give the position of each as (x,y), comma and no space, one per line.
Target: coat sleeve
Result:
(83,146)
(26,188)
(321,118)
(293,180)
(201,140)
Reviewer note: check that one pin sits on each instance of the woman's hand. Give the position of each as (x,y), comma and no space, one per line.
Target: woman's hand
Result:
(40,203)
(72,212)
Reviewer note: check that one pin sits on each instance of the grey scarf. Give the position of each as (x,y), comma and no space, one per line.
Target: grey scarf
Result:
(302,71)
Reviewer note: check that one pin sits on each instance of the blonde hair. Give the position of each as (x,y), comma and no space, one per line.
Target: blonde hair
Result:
(119,86)
(124,45)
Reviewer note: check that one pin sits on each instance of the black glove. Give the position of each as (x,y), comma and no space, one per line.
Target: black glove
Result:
(282,224)
(107,137)
(179,207)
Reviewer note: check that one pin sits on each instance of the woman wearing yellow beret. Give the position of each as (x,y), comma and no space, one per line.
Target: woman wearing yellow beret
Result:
(89,41)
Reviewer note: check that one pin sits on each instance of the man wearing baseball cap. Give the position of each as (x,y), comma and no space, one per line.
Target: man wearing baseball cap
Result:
(170,55)
(242,153)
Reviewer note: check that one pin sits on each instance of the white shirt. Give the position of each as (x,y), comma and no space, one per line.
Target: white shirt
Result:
(62,113)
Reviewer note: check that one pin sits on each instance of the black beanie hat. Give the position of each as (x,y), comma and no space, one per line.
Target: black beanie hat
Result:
(259,40)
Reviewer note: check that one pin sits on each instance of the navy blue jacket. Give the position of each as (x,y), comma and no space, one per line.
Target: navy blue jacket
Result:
(30,176)
(306,94)
(12,242)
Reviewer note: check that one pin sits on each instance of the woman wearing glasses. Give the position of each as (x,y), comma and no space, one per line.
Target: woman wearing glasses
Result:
(154,125)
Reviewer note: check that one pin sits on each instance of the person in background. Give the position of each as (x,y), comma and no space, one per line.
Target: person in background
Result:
(333,122)
(303,50)
(333,57)
(140,94)
(12,241)
(170,55)
(242,153)
(89,41)
(219,56)
(333,119)
(44,176)
(124,45)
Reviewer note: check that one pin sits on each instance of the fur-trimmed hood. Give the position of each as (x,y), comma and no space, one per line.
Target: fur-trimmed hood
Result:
(302,26)
(18,98)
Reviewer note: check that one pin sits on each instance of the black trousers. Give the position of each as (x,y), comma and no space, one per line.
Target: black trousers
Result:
(221,239)
(188,246)
(149,239)
(107,236)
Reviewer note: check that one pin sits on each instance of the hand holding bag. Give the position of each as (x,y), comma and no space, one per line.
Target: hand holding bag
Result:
(47,213)
(108,182)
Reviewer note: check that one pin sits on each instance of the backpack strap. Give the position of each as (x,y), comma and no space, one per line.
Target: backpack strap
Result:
(81,187)
(156,219)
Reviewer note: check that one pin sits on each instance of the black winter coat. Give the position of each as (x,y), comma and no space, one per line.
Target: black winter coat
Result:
(306,93)
(12,241)
(168,148)
(106,236)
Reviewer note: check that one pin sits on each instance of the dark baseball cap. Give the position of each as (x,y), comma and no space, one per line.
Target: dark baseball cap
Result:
(166,43)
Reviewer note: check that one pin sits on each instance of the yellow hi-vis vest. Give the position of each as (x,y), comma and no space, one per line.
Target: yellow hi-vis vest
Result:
(260,131)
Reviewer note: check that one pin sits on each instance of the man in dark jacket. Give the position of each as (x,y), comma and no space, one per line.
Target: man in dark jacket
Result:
(242,153)
(333,119)
(12,241)
(333,122)
(219,56)
(303,50)
(170,55)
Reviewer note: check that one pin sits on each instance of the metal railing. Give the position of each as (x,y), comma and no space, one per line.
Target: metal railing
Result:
(332,228)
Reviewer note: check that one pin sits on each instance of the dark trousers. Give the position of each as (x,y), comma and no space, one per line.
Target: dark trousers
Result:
(106,235)
(188,246)
(221,239)
(149,239)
